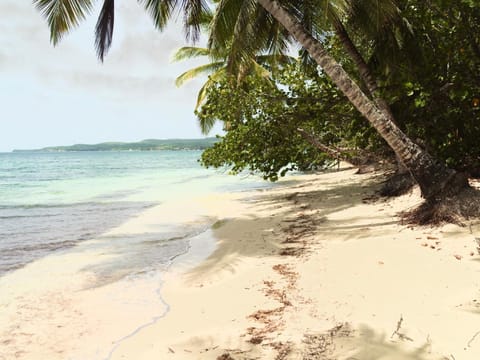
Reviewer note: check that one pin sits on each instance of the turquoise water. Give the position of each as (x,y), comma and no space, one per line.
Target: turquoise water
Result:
(50,202)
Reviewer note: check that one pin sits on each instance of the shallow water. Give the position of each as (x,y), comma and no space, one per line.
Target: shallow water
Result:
(86,238)
(50,202)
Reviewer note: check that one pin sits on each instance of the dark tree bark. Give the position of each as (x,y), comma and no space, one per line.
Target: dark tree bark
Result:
(333,152)
(432,176)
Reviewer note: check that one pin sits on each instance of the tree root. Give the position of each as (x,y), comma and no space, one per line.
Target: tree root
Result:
(453,209)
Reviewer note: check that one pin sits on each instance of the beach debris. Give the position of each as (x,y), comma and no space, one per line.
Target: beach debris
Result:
(397,332)
(170,350)
(209,349)
(256,340)
(477,241)
(473,338)
(225,356)
(319,346)
(458,257)
(283,349)
(272,319)
(289,275)
(291,251)
(432,238)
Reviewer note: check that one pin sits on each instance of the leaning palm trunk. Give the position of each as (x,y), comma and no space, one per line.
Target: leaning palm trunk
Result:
(432,176)
(368,79)
(364,70)
(335,153)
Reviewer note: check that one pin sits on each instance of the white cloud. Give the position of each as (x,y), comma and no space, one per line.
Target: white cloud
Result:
(137,77)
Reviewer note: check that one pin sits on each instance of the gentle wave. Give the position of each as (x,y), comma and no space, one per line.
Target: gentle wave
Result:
(31,231)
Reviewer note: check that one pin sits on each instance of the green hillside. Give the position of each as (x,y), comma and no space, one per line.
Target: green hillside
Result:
(144,145)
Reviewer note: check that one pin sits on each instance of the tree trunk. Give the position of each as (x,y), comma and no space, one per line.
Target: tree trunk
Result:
(333,152)
(432,176)
(368,79)
(366,75)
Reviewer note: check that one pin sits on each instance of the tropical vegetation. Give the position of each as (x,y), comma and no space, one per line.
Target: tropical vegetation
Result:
(410,68)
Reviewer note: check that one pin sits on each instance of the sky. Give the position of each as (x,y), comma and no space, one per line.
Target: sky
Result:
(64,95)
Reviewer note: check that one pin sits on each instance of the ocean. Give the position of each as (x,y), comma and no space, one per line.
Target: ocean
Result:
(51,202)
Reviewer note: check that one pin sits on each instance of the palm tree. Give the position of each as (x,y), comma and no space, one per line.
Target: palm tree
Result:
(216,69)
(260,65)
(63,15)
(432,176)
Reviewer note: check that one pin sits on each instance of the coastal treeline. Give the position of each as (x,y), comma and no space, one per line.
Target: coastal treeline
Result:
(300,84)
(144,145)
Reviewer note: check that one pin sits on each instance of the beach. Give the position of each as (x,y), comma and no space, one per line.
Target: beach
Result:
(317,267)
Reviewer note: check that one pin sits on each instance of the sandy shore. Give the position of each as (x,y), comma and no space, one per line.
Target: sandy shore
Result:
(320,269)
(317,268)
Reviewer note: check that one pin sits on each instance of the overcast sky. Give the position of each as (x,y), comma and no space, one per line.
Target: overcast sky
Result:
(64,95)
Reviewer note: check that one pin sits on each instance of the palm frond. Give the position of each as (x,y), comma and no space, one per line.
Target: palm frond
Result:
(159,10)
(194,14)
(390,34)
(199,70)
(244,38)
(63,15)
(207,123)
(104,28)
(277,58)
(190,52)
(259,71)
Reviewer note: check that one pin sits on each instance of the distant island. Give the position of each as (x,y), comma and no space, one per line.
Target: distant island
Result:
(144,145)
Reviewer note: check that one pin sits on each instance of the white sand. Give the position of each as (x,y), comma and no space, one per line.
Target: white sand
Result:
(348,273)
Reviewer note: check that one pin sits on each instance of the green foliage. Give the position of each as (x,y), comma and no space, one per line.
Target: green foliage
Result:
(436,101)
(261,123)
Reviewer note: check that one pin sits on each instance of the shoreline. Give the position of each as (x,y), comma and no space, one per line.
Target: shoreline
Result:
(322,269)
(316,268)
(62,305)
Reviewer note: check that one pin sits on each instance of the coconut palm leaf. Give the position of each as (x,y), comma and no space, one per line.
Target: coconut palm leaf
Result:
(390,35)
(207,123)
(199,70)
(190,52)
(221,29)
(104,28)
(193,14)
(63,15)
(260,71)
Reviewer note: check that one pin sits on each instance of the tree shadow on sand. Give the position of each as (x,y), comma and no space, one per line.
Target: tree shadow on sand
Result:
(365,343)
(265,232)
